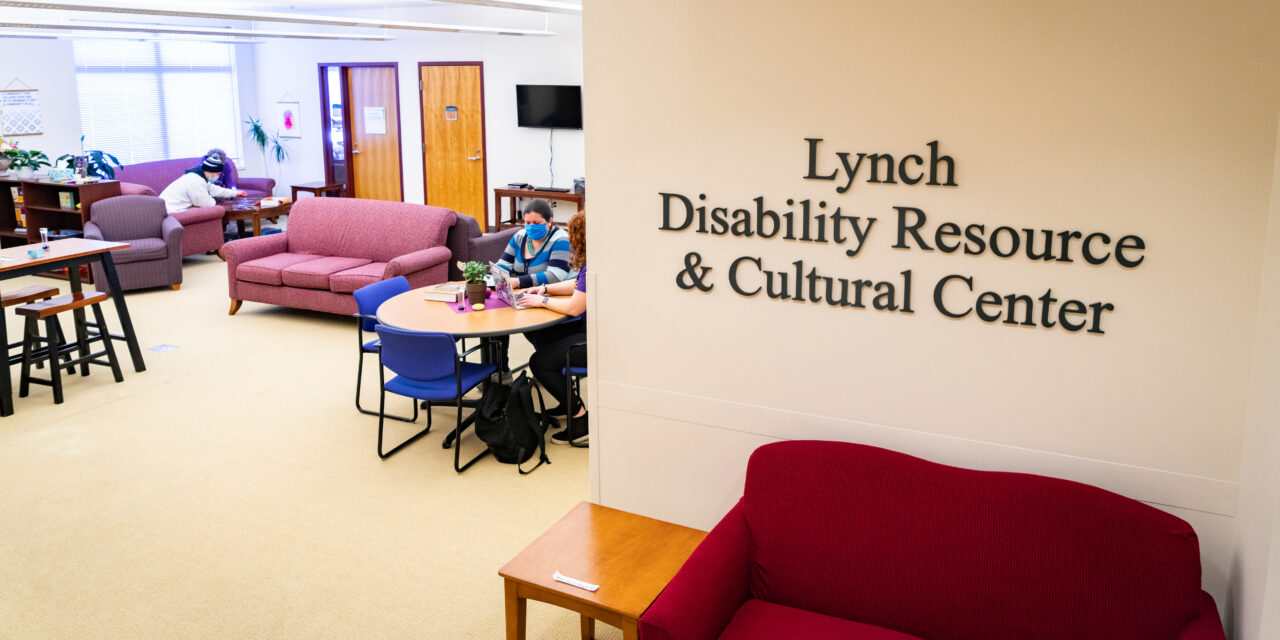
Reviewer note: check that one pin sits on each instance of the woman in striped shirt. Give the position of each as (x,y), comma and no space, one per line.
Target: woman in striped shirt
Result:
(537,255)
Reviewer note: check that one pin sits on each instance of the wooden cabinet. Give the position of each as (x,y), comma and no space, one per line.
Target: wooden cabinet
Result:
(50,205)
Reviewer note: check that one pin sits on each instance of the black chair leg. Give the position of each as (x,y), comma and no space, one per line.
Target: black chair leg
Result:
(360,379)
(82,338)
(457,442)
(55,372)
(106,342)
(382,415)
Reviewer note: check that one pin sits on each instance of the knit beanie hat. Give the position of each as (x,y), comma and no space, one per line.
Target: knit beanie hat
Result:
(212,164)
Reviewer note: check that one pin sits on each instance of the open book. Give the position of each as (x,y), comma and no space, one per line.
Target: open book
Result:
(447,292)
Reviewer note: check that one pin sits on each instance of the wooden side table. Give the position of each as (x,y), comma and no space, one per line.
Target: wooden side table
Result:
(630,556)
(512,194)
(318,189)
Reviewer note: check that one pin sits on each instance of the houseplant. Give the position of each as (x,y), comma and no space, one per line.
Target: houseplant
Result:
(26,162)
(257,134)
(99,162)
(5,147)
(473,273)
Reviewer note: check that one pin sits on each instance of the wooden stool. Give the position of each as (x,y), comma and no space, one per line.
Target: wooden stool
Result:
(48,311)
(23,296)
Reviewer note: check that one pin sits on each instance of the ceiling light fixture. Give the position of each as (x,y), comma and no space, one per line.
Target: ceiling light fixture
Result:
(527,5)
(269,16)
(247,33)
(90,35)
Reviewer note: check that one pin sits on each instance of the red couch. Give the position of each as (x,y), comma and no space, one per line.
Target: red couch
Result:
(332,247)
(839,540)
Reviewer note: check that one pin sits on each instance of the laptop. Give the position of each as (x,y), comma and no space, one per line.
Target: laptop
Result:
(502,285)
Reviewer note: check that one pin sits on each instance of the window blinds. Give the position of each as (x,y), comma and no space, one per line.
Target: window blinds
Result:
(143,101)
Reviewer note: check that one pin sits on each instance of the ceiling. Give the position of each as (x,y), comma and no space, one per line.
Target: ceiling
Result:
(372,19)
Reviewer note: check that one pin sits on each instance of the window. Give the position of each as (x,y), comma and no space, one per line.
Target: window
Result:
(143,101)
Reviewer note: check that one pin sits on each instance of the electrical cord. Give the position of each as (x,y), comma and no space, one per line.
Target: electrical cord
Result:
(551,163)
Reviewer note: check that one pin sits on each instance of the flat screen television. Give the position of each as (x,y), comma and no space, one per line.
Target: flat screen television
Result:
(549,106)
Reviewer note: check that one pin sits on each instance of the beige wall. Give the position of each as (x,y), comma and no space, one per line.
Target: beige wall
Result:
(1257,556)
(1130,119)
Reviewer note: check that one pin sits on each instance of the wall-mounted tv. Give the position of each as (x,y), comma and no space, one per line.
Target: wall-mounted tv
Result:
(549,106)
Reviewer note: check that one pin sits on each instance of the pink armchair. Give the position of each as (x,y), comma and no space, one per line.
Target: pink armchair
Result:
(845,541)
(334,246)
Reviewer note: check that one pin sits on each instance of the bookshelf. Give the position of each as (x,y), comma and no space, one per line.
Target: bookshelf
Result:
(47,204)
(50,205)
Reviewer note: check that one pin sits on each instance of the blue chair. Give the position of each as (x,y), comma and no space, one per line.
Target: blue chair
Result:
(429,368)
(573,382)
(368,299)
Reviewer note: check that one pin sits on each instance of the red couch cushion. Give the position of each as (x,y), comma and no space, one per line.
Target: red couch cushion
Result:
(314,274)
(944,553)
(267,270)
(351,279)
(760,620)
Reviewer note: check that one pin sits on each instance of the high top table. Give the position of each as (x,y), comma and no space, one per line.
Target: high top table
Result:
(69,253)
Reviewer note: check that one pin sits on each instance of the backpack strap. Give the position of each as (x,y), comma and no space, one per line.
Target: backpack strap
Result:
(539,427)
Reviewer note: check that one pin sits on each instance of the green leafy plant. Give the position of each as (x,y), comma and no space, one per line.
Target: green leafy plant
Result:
(23,158)
(257,134)
(100,162)
(473,272)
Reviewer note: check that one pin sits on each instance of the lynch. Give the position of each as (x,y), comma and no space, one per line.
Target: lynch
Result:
(880,168)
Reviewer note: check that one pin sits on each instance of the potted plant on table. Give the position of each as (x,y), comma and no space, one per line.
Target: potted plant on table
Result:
(473,273)
(5,147)
(26,162)
(98,163)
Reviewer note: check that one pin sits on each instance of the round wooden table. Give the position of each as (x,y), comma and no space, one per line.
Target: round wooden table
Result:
(412,312)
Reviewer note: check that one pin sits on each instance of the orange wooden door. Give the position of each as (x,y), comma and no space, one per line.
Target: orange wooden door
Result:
(453,152)
(375,133)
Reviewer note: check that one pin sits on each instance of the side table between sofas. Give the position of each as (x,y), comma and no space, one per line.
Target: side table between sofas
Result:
(630,556)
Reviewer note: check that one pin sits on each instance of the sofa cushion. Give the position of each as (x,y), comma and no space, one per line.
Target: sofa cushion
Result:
(760,620)
(141,250)
(943,552)
(314,274)
(267,270)
(351,279)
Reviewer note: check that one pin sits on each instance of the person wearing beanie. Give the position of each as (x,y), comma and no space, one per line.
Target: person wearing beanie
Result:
(227,180)
(196,188)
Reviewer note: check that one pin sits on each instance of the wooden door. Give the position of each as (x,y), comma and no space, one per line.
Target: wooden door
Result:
(453,149)
(374,123)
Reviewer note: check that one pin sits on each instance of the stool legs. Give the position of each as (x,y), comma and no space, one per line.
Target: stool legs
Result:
(55,371)
(56,350)
(28,345)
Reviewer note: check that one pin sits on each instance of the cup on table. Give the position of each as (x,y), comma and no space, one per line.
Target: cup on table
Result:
(44,238)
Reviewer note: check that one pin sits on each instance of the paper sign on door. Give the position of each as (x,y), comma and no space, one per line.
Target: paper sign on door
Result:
(375,120)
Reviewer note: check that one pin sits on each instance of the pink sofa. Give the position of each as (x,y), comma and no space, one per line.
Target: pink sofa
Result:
(334,246)
(836,540)
(202,227)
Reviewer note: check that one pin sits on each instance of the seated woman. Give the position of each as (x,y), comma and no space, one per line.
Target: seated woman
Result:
(538,254)
(225,179)
(196,189)
(552,345)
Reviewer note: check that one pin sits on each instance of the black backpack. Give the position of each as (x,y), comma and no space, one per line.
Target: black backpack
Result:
(507,423)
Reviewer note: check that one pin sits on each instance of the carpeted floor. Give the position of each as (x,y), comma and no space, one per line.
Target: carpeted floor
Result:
(233,491)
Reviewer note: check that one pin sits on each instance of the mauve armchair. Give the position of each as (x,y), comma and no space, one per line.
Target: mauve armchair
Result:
(154,257)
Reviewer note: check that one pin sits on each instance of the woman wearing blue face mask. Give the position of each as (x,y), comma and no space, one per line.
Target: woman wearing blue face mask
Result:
(537,255)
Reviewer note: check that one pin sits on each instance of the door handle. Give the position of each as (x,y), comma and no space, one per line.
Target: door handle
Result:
(355,151)
(473,157)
